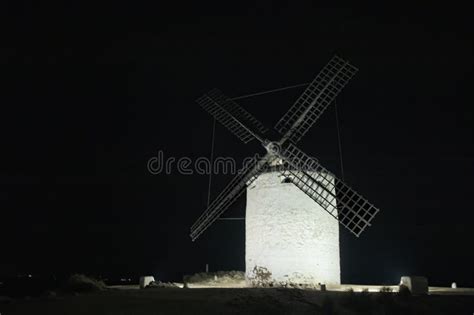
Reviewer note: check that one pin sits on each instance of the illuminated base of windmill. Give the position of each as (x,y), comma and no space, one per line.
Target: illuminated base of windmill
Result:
(288,237)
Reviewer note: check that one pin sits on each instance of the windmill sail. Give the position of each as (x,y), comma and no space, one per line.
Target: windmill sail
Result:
(240,122)
(315,99)
(237,111)
(227,197)
(351,209)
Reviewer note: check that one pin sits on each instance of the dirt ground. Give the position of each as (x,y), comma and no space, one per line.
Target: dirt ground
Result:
(239,301)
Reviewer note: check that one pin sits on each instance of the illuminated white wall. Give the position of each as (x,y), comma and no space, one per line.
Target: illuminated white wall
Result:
(289,234)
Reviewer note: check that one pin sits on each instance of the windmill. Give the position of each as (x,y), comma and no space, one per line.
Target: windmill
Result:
(311,186)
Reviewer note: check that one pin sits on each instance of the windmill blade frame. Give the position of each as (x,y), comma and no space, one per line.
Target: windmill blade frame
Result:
(237,111)
(229,195)
(351,209)
(232,116)
(312,103)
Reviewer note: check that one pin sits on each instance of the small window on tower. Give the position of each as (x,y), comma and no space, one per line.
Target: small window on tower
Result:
(286,180)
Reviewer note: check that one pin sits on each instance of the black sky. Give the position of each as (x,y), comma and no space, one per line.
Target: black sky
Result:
(90,93)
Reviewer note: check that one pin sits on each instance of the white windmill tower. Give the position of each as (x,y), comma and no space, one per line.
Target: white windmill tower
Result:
(288,236)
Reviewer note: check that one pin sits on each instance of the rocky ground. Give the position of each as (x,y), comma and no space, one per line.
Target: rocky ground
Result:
(239,301)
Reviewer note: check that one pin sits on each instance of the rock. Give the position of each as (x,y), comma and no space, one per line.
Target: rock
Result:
(159,284)
(322,287)
(145,281)
(417,285)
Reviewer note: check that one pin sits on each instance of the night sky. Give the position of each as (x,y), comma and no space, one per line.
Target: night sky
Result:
(90,93)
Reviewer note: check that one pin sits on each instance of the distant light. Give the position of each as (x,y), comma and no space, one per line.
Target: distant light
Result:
(29,276)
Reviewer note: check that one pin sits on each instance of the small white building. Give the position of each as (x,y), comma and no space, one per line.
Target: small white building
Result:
(289,238)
